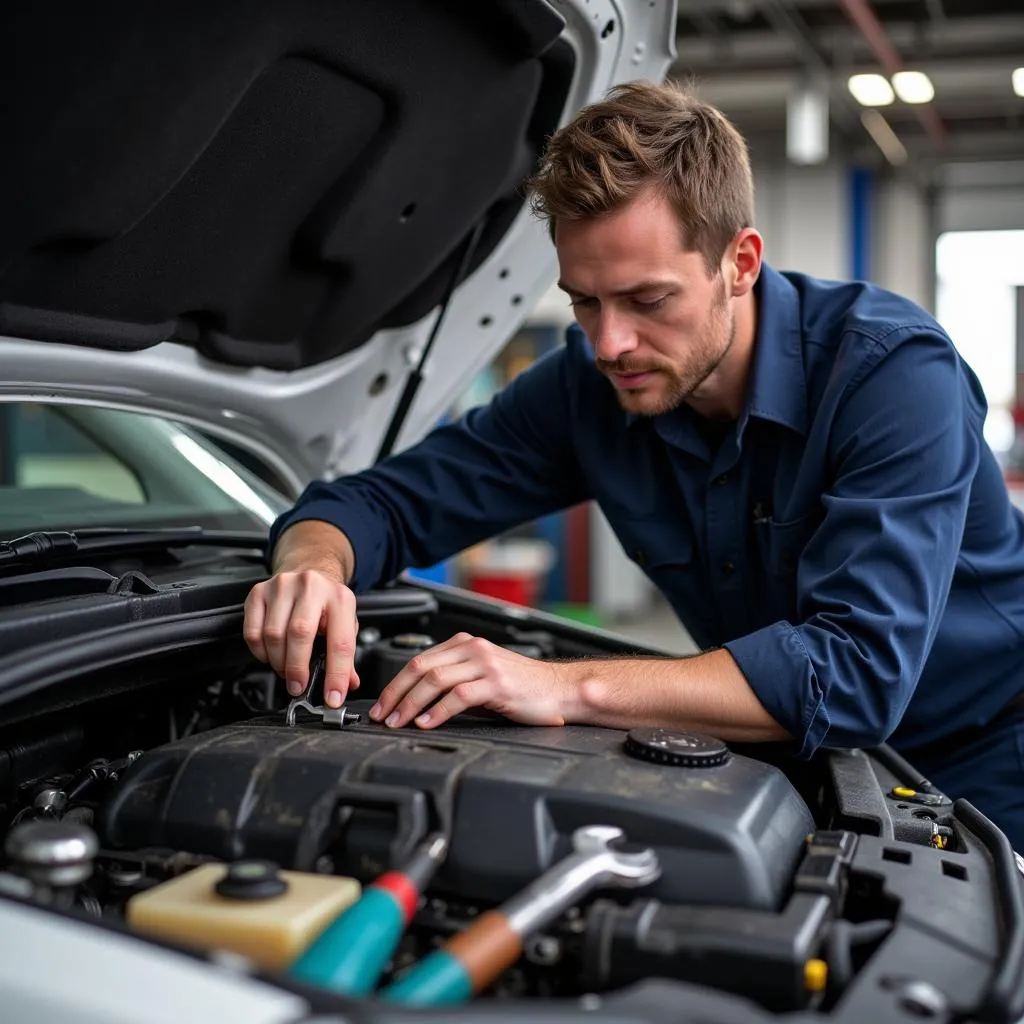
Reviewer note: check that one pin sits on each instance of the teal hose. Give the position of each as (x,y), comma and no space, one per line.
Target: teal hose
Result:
(438,979)
(350,954)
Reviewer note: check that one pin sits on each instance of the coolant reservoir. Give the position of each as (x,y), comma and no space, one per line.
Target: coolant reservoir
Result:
(249,908)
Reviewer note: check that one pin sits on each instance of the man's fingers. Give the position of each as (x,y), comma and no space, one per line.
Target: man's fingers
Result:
(471,694)
(255,616)
(275,629)
(443,654)
(452,641)
(433,684)
(303,627)
(284,616)
(340,613)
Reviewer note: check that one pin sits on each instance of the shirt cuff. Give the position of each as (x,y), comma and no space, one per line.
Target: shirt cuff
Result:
(364,534)
(783,677)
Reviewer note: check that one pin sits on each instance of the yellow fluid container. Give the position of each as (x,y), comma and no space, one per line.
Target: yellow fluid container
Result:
(270,916)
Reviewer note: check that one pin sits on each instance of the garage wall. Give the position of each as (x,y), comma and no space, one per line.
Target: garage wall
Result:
(803,213)
(981,197)
(903,249)
(995,209)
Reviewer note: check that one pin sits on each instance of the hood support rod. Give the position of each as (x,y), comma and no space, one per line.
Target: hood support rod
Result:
(415,379)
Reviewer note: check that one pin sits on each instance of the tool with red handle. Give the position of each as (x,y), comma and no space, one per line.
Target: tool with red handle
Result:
(351,953)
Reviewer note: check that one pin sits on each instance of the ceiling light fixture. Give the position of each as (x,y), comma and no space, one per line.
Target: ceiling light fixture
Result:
(871,90)
(1018,82)
(913,87)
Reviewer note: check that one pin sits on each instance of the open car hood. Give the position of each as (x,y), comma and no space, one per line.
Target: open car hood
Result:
(247,216)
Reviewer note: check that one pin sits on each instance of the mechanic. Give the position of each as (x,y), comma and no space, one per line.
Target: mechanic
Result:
(797,464)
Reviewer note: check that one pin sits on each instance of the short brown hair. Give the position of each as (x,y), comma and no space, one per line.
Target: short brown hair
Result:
(642,135)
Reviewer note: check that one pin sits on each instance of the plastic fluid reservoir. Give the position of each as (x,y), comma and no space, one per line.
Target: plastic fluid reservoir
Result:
(388,658)
(248,907)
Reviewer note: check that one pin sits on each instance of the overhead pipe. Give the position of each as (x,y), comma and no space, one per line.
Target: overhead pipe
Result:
(788,22)
(864,18)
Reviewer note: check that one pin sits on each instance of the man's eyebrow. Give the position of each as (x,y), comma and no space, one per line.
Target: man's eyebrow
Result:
(642,286)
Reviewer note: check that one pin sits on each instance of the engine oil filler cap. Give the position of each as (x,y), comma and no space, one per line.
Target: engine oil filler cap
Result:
(412,641)
(251,880)
(675,748)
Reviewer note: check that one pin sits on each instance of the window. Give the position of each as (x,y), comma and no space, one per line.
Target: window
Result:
(46,449)
(69,467)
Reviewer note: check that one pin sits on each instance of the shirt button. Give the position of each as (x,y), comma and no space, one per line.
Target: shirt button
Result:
(640,556)
(728,568)
(722,480)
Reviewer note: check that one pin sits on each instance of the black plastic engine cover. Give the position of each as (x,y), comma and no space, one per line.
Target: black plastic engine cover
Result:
(729,835)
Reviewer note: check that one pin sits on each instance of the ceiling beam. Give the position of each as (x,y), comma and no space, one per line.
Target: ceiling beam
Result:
(967,38)
(787,22)
(958,83)
(861,14)
(743,8)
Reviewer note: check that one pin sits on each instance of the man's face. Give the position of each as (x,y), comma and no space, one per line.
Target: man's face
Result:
(659,325)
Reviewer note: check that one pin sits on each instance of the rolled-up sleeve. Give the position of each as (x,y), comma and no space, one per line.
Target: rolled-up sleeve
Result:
(500,465)
(874,578)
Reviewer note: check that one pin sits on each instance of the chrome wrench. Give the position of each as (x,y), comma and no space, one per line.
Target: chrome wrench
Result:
(472,960)
(338,717)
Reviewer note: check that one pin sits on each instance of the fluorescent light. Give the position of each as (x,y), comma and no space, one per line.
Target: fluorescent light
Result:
(871,90)
(913,87)
(885,138)
(807,126)
(1018,82)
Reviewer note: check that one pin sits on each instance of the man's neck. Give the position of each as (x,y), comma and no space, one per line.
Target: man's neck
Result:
(722,395)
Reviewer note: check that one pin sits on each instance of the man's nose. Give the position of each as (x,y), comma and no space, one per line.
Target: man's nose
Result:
(614,336)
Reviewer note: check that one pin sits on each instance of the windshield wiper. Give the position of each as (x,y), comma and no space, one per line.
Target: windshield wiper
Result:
(45,546)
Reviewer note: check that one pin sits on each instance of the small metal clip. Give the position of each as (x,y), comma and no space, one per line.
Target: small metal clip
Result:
(339,717)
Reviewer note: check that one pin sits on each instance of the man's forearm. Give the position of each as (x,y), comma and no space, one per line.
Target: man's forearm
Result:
(312,544)
(707,693)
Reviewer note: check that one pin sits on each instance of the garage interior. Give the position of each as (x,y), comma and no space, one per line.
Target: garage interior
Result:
(887,139)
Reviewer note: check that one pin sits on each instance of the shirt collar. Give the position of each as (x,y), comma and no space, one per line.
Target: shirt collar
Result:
(778,388)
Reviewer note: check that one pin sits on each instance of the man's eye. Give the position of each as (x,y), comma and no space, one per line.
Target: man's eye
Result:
(576,303)
(653,304)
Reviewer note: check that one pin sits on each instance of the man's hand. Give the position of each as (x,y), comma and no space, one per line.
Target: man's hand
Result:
(466,672)
(307,597)
(707,692)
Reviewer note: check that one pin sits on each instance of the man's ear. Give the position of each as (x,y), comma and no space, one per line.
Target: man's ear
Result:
(743,261)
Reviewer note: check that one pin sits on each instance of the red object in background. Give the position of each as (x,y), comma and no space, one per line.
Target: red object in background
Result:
(1014,471)
(522,590)
(577,550)
(511,570)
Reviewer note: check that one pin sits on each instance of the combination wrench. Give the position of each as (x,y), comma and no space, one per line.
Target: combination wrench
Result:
(470,961)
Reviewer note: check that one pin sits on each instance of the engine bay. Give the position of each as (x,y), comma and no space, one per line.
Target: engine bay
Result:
(845,886)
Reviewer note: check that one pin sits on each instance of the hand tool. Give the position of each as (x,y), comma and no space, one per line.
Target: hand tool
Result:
(340,716)
(472,960)
(351,953)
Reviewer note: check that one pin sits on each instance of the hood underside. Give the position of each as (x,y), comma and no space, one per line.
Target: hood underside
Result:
(229,206)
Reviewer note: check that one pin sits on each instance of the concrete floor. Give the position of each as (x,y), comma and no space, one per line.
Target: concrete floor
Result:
(656,627)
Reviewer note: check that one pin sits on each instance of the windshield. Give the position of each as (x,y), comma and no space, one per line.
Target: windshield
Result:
(70,467)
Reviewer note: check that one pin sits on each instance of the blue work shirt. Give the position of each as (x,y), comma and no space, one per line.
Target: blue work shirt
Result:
(849,539)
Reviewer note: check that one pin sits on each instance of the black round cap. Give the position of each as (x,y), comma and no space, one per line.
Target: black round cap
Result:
(251,880)
(676,748)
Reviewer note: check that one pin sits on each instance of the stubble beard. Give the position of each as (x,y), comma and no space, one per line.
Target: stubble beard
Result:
(680,385)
